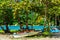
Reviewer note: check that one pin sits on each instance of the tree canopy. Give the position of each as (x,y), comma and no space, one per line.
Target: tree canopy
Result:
(11,10)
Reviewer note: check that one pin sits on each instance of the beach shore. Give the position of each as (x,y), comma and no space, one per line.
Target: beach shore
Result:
(7,37)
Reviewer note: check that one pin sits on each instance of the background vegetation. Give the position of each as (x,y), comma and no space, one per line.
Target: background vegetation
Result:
(35,12)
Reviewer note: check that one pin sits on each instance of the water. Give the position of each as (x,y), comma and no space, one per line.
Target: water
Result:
(36,27)
(12,27)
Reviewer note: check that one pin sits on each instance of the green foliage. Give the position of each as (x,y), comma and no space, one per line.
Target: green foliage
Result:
(46,33)
(34,9)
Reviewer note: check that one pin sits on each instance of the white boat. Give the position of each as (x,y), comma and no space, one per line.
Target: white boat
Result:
(24,34)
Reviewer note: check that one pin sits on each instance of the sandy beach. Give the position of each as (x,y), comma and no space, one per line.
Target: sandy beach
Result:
(7,37)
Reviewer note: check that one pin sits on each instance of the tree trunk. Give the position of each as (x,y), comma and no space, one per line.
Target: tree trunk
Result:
(7,29)
(21,24)
(27,29)
(49,23)
(55,20)
(45,13)
(58,21)
(6,21)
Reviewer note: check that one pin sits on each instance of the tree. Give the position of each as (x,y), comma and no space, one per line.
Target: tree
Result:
(7,14)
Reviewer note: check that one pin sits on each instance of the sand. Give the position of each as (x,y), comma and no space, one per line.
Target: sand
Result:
(7,37)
